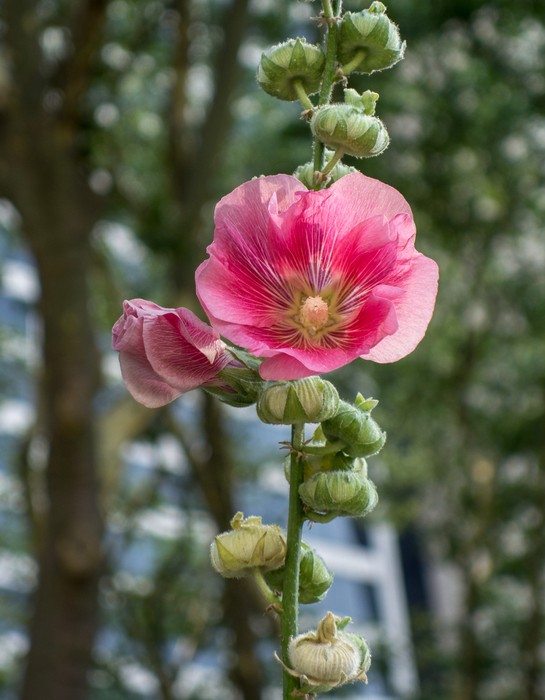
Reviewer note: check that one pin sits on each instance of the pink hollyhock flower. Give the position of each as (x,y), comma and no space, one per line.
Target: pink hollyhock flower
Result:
(312,280)
(165,352)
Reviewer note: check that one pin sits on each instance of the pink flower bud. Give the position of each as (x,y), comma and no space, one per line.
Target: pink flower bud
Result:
(166,352)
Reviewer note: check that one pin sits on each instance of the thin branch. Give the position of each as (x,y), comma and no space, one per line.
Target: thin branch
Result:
(24,53)
(180,146)
(192,172)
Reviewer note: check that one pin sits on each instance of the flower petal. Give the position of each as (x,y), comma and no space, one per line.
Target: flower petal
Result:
(238,292)
(143,383)
(183,350)
(239,281)
(356,198)
(414,309)
(283,367)
(244,216)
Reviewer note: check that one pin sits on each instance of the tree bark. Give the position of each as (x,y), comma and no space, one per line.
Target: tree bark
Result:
(41,174)
(193,167)
(53,204)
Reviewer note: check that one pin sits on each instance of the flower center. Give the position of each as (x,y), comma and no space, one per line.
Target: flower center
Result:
(314,314)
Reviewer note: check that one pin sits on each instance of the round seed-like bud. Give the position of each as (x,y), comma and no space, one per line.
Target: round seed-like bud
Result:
(249,545)
(326,658)
(348,493)
(350,128)
(354,426)
(308,400)
(305,172)
(315,579)
(369,41)
(290,62)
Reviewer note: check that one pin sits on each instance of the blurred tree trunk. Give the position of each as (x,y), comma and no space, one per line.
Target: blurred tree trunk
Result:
(193,164)
(41,174)
(195,161)
(65,615)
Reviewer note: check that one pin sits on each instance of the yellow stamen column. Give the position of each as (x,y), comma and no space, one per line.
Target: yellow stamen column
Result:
(314,314)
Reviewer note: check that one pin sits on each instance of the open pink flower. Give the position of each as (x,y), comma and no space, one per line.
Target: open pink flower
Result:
(165,352)
(313,280)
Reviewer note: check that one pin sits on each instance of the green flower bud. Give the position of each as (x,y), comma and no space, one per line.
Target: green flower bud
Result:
(290,62)
(326,658)
(350,128)
(355,427)
(369,41)
(314,464)
(344,493)
(249,545)
(305,173)
(315,579)
(308,400)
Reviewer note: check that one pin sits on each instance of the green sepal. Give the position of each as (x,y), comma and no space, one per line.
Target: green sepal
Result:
(365,404)
(240,386)
(365,653)
(367,101)
(315,579)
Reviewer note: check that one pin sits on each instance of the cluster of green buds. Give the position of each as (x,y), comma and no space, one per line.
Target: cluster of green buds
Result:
(335,480)
(332,481)
(248,547)
(364,42)
(328,657)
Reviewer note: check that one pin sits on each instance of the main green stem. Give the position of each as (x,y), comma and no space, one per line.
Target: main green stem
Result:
(290,592)
(328,77)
